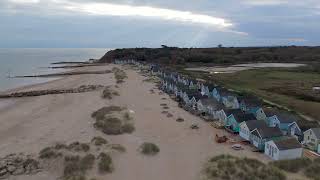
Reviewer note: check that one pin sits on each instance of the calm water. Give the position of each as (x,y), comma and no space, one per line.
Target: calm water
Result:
(32,62)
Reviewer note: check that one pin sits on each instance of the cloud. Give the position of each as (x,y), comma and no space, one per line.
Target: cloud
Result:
(146,11)
(25,1)
(104,8)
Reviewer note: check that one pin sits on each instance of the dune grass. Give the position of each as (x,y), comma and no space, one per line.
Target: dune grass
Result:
(148,148)
(99,141)
(105,164)
(226,167)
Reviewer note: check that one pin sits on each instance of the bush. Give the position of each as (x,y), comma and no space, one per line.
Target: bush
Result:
(48,153)
(110,125)
(76,146)
(127,116)
(128,128)
(108,93)
(180,120)
(105,164)
(293,166)
(149,149)
(98,141)
(87,162)
(313,171)
(119,75)
(100,113)
(229,167)
(60,146)
(118,147)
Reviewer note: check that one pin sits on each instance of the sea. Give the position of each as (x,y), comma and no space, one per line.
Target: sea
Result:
(18,62)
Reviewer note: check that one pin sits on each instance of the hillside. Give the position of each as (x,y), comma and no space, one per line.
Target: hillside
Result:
(220,55)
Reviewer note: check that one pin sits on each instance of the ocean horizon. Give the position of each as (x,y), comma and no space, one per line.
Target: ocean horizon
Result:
(35,61)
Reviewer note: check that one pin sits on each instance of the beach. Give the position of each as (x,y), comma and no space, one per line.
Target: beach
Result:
(30,124)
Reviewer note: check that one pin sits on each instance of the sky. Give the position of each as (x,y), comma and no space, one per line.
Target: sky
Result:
(152,23)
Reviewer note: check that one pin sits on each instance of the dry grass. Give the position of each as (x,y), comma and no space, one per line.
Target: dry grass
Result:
(105,164)
(118,147)
(99,141)
(119,75)
(111,125)
(128,128)
(293,166)
(49,153)
(310,168)
(149,149)
(225,167)
(108,93)
(102,112)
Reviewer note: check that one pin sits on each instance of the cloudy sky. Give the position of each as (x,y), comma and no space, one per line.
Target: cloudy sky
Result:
(150,23)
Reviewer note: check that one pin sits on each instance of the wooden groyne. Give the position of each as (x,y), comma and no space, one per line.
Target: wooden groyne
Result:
(81,89)
(65,74)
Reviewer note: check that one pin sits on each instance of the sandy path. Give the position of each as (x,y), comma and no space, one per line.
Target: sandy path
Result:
(33,123)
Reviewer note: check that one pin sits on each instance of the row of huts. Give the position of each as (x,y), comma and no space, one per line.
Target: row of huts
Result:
(271,131)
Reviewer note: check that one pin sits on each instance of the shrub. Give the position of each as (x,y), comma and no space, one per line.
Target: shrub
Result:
(118,147)
(100,113)
(313,171)
(48,153)
(72,167)
(110,126)
(105,164)
(180,120)
(76,146)
(119,75)
(149,149)
(293,166)
(128,128)
(108,93)
(127,116)
(229,167)
(60,146)
(87,162)
(98,141)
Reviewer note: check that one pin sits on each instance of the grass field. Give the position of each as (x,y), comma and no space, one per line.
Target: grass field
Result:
(290,88)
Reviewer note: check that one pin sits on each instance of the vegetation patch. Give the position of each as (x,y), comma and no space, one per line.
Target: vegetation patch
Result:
(310,168)
(225,167)
(180,119)
(77,146)
(128,128)
(49,153)
(109,93)
(99,141)
(105,164)
(102,112)
(110,124)
(293,166)
(119,75)
(118,147)
(149,149)
(75,168)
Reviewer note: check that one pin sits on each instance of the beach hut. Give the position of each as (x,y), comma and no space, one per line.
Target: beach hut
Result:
(260,136)
(235,119)
(286,148)
(311,138)
(251,104)
(246,127)
(284,120)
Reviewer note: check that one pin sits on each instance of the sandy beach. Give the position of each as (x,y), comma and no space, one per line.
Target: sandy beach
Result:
(30,124)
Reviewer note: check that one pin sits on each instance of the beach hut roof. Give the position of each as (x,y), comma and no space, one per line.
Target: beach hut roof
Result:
(267,132)
(253,124)
(287,143)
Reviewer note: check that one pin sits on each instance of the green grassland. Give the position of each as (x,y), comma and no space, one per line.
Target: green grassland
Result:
(289,88)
